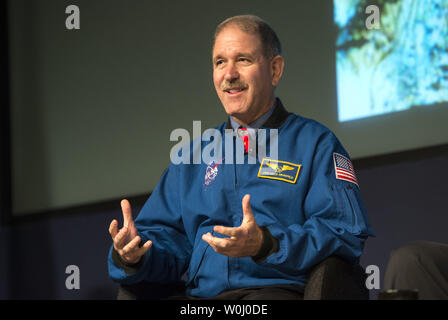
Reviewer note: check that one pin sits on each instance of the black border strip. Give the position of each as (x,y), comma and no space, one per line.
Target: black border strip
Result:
(5,133)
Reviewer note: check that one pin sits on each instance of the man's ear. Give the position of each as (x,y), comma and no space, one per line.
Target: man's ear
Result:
(277,65)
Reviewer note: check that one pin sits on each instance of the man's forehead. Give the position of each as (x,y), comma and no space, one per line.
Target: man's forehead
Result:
(234,54)
(233,41)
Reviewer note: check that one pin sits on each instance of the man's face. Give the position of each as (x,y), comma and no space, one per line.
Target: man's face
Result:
(242,74)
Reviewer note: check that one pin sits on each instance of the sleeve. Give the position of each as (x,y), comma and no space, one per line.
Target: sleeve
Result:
(160,221)
(336,220)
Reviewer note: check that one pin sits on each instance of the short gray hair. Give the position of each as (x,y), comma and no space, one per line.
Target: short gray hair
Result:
(254,25)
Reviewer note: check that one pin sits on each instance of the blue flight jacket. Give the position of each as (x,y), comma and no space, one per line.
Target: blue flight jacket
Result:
(306,203)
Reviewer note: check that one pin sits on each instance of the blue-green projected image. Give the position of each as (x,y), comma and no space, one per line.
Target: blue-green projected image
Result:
(401,65)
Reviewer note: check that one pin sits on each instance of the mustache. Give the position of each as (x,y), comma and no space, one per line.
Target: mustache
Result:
(229,85)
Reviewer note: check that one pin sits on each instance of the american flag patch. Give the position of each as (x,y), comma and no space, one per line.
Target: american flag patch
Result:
(344,169)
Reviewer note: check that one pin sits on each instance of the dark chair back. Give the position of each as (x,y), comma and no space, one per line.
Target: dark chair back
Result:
(336,279)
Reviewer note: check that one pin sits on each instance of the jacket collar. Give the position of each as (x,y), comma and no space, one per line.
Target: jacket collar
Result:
(277,118)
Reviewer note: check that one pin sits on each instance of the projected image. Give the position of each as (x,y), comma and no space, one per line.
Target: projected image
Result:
(401,65)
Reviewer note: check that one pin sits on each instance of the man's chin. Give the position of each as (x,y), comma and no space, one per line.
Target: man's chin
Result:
(235,109)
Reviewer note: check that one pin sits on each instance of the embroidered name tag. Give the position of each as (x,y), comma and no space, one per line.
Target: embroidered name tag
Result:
(279,170)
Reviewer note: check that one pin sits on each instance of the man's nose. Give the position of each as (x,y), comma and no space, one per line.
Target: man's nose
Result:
(231,72)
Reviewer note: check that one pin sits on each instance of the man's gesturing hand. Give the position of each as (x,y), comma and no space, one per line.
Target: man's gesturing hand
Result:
(126,241)
(244,241)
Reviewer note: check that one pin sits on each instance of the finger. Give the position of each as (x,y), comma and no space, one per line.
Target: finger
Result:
(228,231)
(219,244)
(248,215)
(132,245)
(127,213)
(141,251)
(113,229)
(119,240)
(209,239)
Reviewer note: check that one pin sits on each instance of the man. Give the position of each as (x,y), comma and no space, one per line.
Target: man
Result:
(246,231)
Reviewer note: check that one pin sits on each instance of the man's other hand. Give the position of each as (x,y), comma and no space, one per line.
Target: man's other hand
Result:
(243,241)
(126,241)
